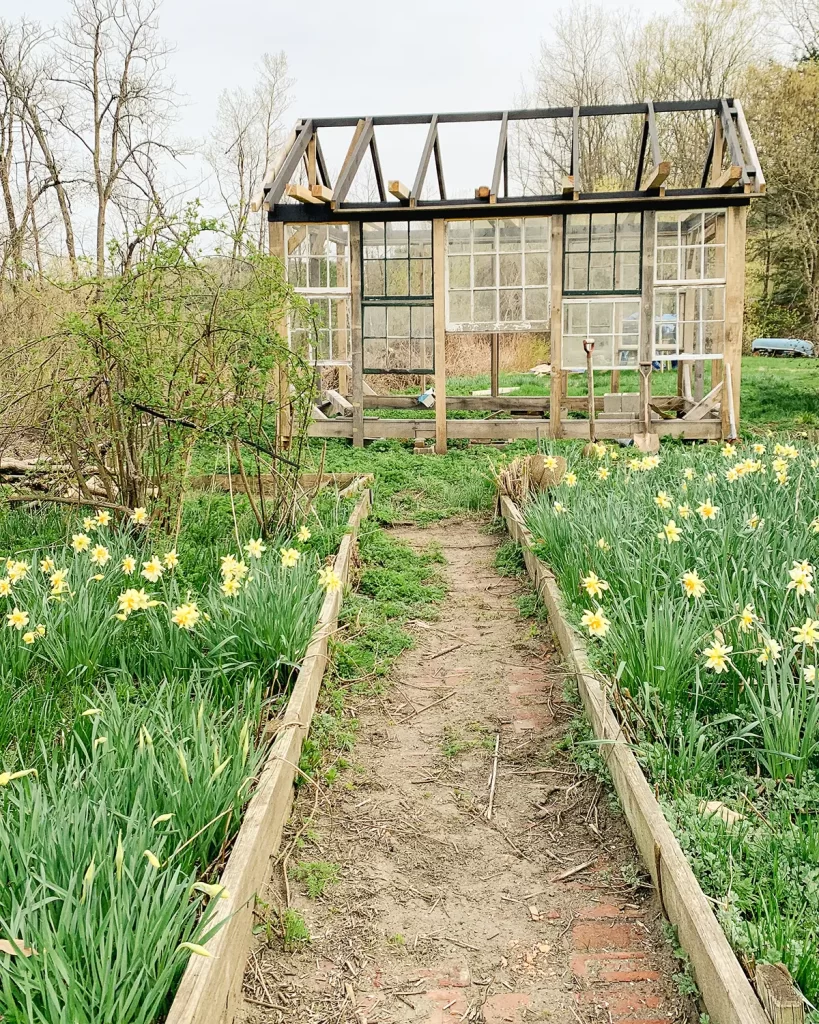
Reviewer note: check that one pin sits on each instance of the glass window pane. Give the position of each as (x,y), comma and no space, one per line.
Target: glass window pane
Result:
(574,358)
(296,239)
(421,322)
(485,304)
(627,272)
(397,239)
(317,239)
(375,354)
(459,272)
(420,232)
(537,268)
(665,305)
(577,232)
(297,272)
(691,228)
(372,240)
(398,321)
(459,235)
(398,353)
(576,318)
(509,235)
(692,261)
(321,346)
(337,270)
(577,272)
(484,271)
(373,277)
(714,228)
(510,305)
(668,228)
(317,272)
(420,277)
(713,335)
(666,265)
(397,277)
(537,304)
(602,232)
(537,233)
(600,317)
(483,236)
(460,307)
(601,272)
(629,228)
(714,262)
(375,322)
(712,303)
(510,269)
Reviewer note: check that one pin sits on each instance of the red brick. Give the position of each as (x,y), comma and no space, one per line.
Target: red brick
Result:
(619,935)
(504,1007)
(624,999)
(527,675)
(611,977)
(602,910)
(554,915)
(617,964)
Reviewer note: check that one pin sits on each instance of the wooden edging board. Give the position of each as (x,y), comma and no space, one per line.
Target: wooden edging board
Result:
(728,994)
(211,987)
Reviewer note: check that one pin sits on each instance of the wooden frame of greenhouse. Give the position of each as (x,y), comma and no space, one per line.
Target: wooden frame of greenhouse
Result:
(653,273)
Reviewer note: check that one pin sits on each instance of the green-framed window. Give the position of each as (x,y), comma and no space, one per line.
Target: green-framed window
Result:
(602,253)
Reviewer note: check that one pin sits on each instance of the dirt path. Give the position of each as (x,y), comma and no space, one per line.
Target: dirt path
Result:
(439,914)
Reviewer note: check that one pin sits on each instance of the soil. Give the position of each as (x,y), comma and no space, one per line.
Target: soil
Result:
(440,912)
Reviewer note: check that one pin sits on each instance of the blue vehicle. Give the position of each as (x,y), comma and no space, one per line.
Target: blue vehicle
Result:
(783,347)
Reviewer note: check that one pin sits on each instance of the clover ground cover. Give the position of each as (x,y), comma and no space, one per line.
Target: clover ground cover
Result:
(693,575)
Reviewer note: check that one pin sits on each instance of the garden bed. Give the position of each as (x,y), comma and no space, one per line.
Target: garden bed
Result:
(691,574)
(145,700)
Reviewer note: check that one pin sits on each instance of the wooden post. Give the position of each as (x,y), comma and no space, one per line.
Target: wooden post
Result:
(275,244)
(356,343)
(614,387)
(590,388)
(646,345)
(494,364)
(439,329)
(344,380)
(556,388)
(778,994)
(343,369)
(734,310)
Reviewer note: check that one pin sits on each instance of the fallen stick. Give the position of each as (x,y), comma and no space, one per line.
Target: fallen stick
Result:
(574,871)
(426,707)
(493,778)
(446,650)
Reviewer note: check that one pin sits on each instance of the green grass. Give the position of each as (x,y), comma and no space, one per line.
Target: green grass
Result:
(316,876)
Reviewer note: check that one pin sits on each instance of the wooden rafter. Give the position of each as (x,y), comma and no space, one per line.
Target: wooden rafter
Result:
(322,166)
(734,148)
(500,154)
(709,157)
(754,170)
(641,155)
(379,177)
(290,163)
(423,164)
(439,166)
(575,168)
(355,154)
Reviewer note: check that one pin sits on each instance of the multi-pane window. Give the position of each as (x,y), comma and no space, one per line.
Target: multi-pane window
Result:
(396,287)
(689,321)
(398,339)
(397,259)
(690,245)
(613,324)
(602,253)
(317,259)
(498,274)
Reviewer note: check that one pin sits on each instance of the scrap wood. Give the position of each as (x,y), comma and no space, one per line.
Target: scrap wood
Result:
(428,706)
(493,778)
(574,871)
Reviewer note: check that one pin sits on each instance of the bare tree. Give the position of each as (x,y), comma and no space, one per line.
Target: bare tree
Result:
(801,18)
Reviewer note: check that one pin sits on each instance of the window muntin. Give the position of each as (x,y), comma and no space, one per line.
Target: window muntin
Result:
(614,324)
(602,253)
(317,264)
(327,337)
(690,246)
(397,259)
(689,321)
(498,274)
(398,339)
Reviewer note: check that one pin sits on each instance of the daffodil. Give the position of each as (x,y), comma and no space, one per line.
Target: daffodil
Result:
(40,629)
(329,579)
(47,565)
(103,517)
(255,548)
(692,584)
(152,858)
(603,473)
(17,571)
(603,544)
(635,465)
(779,466)
(30,637)
(801,578)
(230,587)
(59,581)
(670,532)
(771,650)
(754,522)
(593,585)
(595,622)
(194,947)
(17,619)
(290,557)
(89,524)
(747,618)
(560,508)
(807,633)
(133,600)
(707,510)
(688,473)
(683,511)
(732,474)
(710,477)
(139,516)
(550,462)
(782,478)
(99,555)
(716,656)
(599,450)
(304,534)
(728,450)
(570,479)
(80,542)
(186,615)
(814,525)
(810,673)
(128,565)
(7,777)
(213,891)
(662,500)
(5,587)
(152,569)
(171,559)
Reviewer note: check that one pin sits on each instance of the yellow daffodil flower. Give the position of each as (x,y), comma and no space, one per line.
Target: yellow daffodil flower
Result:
(152,569)
(171,559)
(7,777)
(662,500)
(89,524)
(801,578)
(707,510)
(716,656)
(550,462)
(570,479)
(810,673)
(186,615)
(255,548)
(18,571)
(152,858)
(139,516)
(759,449)
(329,579)
(30,637)
(603,544)
(747,618)
(692,584)
(670,532)
(99,555)
(603,473)
(807,633)
(5,587)
(18,619)
(754,522)
(128,565)
(103,517)
(593,585)
(771,650)
(47,566)
(194,947)
(304,534)
(290,557)
(80,542)
(683,511)
(560,508)
(595,622)
(231,586)
(728,450)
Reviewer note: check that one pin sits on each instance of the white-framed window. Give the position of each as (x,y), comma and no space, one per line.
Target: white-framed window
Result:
(497,274)
(602,253)
(690,246)
(614,324)
(317,263)
(689,321)
(398,339)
